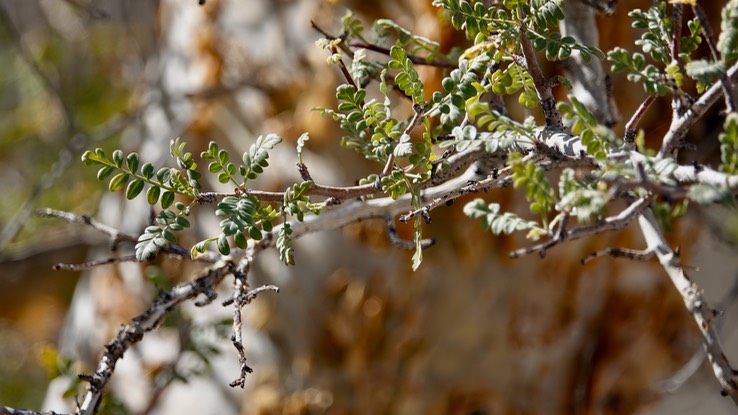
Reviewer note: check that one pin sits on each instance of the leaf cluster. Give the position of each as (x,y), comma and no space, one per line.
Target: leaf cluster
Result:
(163,183)
(500,223)
(155,237)
(255,160)
(461,84)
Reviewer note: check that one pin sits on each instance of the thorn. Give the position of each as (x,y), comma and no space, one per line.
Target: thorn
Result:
(697,167)
(426,215)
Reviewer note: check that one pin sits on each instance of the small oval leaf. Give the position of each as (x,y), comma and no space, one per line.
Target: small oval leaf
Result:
(167,198)
(152,195)
(223,246)
(134,189)
(118,181)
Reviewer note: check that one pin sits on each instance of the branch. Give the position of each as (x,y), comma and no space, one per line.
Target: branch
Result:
(630,127)
(4,410)
(115,235)
(543,89)
(418,60)
(611,223)
(149,320)
(695,302)
(633,254)
(498,178)
(680,126)
(91,264)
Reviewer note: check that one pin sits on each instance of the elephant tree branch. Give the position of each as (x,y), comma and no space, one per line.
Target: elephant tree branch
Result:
(694,301)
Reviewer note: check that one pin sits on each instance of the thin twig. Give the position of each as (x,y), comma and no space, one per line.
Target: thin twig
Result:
(341,193)
(499,178)
(4,410)
(115,235)
(418,60)
(414,122)
(632,125)
(91,264)
(543,88)
(403,243)
(328,36)
(617,222)
(632,254)
(240,288)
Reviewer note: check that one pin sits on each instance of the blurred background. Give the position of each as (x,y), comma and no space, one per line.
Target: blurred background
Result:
(353,329)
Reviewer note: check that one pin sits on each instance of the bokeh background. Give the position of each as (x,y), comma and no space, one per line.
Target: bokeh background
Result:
(353,329)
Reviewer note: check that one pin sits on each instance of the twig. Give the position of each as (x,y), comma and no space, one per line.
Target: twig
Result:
(403,243)
(590,82)
(418,60)
(341,193)
(630,127)
(611,223)
(115,235)
(240,288)
(133,332)
(499,178)
(678,102)
(676,380)
(328,36)
(242,296)
(632,254)
(4,410)
(695,302)
(543,89)
(414,122)
(90,264)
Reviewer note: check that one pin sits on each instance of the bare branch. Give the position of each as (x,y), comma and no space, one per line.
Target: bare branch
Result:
(115,235)
(133,332)
(695,302)
(91,264)
(630,127)
(4,410)
(632,254)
